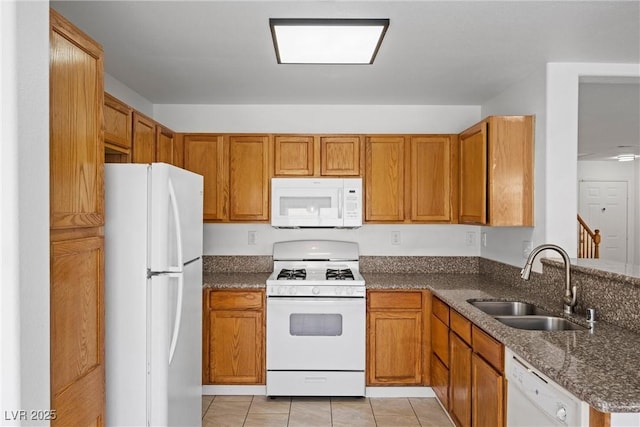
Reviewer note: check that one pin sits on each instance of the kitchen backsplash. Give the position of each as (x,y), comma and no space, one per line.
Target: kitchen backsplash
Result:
(616,297)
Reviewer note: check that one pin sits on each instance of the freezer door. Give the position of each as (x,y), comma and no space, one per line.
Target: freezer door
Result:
(175,359)
(175,212)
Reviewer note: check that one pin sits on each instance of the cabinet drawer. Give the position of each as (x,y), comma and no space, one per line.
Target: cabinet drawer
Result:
(491,350)
(400,300)
(236,300)
(440,340)
(460,325)
(440,310)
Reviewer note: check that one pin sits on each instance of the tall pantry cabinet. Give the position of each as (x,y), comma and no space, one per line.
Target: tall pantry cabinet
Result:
(76,226)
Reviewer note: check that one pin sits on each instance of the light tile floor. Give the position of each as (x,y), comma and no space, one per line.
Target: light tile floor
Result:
(261,411)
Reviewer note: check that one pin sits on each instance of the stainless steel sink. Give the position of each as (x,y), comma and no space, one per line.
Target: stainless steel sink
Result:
(540,323)
(507,308)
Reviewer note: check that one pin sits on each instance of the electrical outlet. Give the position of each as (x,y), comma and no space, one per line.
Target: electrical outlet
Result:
(526,248)
(251,238)
(471,238)
(395,238)
(484,239)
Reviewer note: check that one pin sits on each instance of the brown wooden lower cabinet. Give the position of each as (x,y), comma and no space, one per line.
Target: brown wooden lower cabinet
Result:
(459,380)
(468,375)
(487,396)
(233,337)
(397,337)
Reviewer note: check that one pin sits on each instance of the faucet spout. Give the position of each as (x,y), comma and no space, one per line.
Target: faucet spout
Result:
(571,292)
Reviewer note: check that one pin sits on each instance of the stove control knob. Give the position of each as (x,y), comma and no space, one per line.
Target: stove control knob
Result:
(338,291)
(281,290)
(293,290)
(350,291)
(315,290)
(561,413)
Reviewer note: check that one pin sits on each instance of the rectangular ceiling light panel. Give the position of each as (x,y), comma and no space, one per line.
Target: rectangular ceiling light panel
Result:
(327,41)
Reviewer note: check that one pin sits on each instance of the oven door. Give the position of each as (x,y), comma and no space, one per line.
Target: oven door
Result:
(314,333)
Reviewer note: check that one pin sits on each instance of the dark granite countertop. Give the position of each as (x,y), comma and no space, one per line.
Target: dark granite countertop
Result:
(599,366)
(234,280)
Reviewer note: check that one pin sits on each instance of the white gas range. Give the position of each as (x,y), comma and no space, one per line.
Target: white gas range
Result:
(316,320)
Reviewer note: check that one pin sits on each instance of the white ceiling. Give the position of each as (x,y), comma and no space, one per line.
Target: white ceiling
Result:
(434,52)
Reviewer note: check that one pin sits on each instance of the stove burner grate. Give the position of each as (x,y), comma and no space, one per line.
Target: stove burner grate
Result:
(292,274)
(339,274)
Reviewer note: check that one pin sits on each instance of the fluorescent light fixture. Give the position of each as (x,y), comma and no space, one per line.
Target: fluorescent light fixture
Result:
(626,157)
(327,41)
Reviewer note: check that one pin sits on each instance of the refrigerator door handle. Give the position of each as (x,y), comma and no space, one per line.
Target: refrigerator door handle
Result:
(176,322)
(176,220)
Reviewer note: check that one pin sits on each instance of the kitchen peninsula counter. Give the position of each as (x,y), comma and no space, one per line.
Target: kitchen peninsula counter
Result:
(599,366)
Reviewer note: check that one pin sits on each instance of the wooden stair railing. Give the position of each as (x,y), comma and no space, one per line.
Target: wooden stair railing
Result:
(589,241)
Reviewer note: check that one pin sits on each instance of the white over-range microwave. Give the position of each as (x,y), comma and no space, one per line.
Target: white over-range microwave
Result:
(316,202)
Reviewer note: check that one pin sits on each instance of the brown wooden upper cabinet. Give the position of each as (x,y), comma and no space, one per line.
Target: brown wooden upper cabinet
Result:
(144,137)
(496,172)
(117,123)
(76,151)
(165,144)
(250,173)
(208,155)
(410,178)
(317,155)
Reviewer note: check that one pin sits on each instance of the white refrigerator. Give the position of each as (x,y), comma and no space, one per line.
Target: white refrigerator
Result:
(153,295)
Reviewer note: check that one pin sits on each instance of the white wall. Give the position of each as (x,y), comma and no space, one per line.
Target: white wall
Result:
(619,171)
(425,240)
(127,95)
(562,140)
(527,97)
(24,222)
(318,118)
(232,239)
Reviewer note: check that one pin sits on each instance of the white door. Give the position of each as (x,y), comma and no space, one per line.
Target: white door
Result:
(603,206)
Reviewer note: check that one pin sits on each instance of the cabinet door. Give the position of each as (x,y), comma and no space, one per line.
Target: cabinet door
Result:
(430,181)
(440,340)
(440,380)
(293,155)
(144,137)
(236,354)
(473,175)
(117,122)
(77,331)
(510,170)
(207,155)
(394,347)
(460,380)
(487,395)
(384,178)
(164,145)
(249,175)
(76,146)
(340,155)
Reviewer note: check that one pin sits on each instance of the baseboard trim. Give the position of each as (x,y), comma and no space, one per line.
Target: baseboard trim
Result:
(399,392)
(238,390)
(261,390)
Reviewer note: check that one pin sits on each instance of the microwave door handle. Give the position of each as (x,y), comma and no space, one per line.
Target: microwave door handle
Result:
(340,200)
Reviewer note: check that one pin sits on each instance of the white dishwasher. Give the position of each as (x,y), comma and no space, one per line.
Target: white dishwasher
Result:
(533,400)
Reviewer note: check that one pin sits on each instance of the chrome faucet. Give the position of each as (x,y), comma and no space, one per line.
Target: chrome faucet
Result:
(570,293)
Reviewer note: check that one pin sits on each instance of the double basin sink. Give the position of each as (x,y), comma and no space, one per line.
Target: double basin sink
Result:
(523,315)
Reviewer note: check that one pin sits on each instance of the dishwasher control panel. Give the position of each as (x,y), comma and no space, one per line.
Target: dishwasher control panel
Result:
(534,399)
